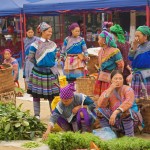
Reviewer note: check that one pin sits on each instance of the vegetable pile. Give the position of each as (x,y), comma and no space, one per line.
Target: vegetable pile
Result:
(71,140)
(31,145)
(18,125)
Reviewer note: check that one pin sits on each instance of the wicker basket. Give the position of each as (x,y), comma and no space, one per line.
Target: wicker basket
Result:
(8,97)
(6,79)
(144,106)
(85,85)
(91,64)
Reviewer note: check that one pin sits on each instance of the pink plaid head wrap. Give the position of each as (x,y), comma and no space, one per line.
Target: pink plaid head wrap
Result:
(67,92)
(7,50)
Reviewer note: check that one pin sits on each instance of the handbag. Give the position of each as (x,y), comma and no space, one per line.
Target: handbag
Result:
(104,76)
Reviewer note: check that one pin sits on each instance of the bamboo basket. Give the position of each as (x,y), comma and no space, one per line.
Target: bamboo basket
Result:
(6,79)
(85,85)
(8,97)
(144,106)
(91,64)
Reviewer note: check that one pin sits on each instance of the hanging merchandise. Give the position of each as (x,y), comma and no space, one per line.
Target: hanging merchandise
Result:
(10,29)
(89,18)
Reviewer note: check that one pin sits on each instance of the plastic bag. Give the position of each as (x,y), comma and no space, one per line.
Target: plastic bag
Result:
(105,133)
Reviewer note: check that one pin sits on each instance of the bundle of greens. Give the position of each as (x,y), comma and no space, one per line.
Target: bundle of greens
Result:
(72,141)
(18,125)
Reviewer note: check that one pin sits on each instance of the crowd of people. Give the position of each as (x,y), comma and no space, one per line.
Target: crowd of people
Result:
(123,76)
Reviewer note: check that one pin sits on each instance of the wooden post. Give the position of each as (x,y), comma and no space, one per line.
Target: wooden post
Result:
(148,15)
(132,24)
(84,22)
(22,49)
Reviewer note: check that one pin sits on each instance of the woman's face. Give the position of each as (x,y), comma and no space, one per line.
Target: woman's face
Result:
(101,41)
(140,38)
(76,32)
(30,33)
(67,102)
(47,34)
(7,55)
(117,80)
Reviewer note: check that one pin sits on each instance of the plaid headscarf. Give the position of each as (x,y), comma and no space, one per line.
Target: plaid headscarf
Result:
(7,50)
(109,39)
(67,92)
(72,27)
(106,25)
(43,26)
(119,32)
(144,29)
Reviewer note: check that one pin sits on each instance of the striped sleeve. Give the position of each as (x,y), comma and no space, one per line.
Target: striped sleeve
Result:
(84,47)
(63,51)
(32,52)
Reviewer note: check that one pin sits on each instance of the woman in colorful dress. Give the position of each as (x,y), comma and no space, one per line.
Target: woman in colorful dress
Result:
(124,47)
(117,107)
(74,53)
(140,57)
(27,64)
(44,74)
(109,58)
(10,60)
(73,113)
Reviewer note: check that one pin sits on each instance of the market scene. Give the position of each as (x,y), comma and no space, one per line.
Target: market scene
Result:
(75,75)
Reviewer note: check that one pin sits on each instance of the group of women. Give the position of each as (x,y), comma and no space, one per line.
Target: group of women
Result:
(116,103)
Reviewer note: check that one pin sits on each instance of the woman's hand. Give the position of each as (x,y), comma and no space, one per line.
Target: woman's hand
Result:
(135,43)
(75,109)
(87,58)
(129,78)
(113,117)
(45,135)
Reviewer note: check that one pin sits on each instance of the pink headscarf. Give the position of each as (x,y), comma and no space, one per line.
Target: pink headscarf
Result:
(67,92)
(7,50)
(72,27)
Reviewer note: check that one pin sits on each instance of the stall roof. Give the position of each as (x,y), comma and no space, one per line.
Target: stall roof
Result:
(51,5)
(13,7)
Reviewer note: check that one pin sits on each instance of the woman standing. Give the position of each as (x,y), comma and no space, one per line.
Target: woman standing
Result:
(74,53)
(124,47)
(140,57)
(27,64)
(44,74)
(117,106)
(109,58)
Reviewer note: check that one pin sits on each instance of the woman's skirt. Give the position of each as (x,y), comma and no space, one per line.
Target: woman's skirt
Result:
(42,83)
(100,87)
(138,87)
(74,67)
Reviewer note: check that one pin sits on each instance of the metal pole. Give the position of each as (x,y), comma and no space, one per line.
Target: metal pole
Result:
(22,49)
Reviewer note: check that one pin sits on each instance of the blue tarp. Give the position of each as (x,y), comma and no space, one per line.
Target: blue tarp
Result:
(56,5)
(13,7)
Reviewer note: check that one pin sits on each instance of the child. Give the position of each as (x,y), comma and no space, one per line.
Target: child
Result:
(74,112)
(27,64)
(13,62)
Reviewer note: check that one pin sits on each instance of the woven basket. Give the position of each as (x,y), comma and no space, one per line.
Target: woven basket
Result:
(144,106)
(85,85)
(8,97)
(91,64)
(6,79)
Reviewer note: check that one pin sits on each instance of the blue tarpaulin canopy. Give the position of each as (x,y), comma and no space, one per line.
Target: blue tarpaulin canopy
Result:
(51,5)
(13,7)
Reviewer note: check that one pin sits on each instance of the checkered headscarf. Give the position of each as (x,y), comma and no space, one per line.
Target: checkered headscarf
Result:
(43,26)
(67,92)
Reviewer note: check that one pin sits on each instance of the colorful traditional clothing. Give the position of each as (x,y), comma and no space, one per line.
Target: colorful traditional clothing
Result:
(44,74)
(123,46)
(67,120)
(27,64)
(15,66)
(141,63)
(124,101)
(109,59)
(73,48)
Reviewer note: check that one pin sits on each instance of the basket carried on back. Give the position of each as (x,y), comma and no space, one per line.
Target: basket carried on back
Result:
(144,106)
(85,85)
(6,78)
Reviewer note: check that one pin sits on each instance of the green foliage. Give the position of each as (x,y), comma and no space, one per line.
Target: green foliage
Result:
(18,125)
(71,140)
(31,145)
